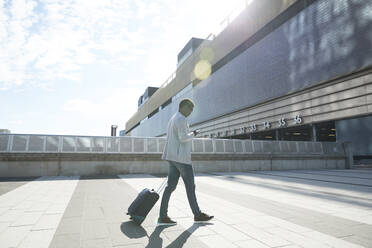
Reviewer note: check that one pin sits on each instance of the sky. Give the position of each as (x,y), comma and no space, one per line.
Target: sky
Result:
(76,67)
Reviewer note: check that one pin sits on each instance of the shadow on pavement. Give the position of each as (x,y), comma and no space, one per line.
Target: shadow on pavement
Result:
(134,231)
(182,238)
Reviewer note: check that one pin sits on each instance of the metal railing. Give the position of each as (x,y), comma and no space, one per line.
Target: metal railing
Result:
(32,143)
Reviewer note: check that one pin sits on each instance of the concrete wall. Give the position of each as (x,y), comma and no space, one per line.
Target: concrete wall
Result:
(27,166)
(20,155)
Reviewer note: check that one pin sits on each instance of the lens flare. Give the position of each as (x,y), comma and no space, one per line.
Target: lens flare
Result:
(202,69)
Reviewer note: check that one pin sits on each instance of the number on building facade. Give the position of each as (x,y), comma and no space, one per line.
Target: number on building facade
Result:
(297,119)
(267,125)
(281,122)
(252,128)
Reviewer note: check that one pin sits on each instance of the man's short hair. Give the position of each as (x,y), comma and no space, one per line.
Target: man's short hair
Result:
(186,101)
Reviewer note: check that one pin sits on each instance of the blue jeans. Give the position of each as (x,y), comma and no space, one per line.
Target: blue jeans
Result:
(187,174)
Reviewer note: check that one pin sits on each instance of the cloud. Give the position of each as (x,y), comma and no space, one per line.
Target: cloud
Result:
(46,40)
(114,108)
(16,122)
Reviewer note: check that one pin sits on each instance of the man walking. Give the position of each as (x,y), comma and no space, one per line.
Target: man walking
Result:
(177,152)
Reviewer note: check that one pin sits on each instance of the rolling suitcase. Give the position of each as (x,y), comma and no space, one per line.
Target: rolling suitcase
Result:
(143,203)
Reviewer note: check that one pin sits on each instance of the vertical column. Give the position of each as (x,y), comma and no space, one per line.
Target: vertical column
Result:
(105,144)
(348,148)
(314,138)
(27,142)
(60,143)
(75,147)
(44,143)
(145,144)
(277,134)
(10,143)
(90,144)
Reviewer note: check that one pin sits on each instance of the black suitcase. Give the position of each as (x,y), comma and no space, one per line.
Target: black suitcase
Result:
(143,203)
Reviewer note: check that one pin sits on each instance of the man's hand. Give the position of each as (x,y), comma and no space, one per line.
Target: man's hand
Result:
(196,132)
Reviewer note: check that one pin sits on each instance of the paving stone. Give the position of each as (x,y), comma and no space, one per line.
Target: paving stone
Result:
(198,229)
(124,235)
(74,210)
(364,242)
(71,225)
(94,229)
(296,238)
(3,210)
(228,232)
(252,244)
(292,246)
(362,230)
(25,206)
(331,241)
(13,236)
(217,241)
(37,239)
(93,212)
(11,215)
(10,184)
(114,214)
(96,243)
(39,207)
(56,208)
(4,226)
(27,218)
(134,246)
(47,221)
(184,238)
(268,238)
(66,240)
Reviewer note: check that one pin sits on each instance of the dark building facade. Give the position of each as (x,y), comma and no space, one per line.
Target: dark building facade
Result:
(305,73)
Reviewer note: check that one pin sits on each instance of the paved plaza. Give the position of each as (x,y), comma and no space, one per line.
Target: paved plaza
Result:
(328,208)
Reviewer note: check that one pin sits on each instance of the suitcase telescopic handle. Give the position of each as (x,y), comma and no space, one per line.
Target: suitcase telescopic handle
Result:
(162,186)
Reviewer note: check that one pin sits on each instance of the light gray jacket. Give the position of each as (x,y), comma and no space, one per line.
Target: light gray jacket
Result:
(178,144)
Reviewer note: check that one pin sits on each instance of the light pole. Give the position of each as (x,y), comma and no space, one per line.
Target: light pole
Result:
(113,130)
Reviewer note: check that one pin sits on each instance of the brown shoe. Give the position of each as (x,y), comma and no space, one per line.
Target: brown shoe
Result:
(166,221)
(203,218)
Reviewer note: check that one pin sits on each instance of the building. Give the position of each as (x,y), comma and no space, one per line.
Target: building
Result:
(148,93)
(281,70)
(4,131)
(122,133)
(188,50)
